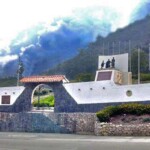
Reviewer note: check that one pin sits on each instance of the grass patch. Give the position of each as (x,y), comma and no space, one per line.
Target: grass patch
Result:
(48,101)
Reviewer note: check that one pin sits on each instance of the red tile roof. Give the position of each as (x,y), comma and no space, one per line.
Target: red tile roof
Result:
(52,78)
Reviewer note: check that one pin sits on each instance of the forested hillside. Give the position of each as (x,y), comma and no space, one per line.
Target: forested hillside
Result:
(136,35)
(5,82)
(83,66)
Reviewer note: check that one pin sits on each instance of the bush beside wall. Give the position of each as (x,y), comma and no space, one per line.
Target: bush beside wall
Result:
(131,108)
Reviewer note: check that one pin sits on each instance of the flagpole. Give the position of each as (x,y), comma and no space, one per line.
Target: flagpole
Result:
(103,48)
(119,47)
(138,65)
(113,48)
(108,48)
(149,56)
(130,53)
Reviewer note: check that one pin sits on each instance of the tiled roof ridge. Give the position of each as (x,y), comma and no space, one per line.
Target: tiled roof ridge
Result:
(38,76)
(49,78)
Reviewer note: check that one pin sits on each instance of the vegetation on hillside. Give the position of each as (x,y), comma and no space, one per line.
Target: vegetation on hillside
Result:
(134,36)
(5,82)
(83,77)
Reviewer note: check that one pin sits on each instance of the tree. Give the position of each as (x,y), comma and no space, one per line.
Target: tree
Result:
(20,70)
(84,77)
(143,62)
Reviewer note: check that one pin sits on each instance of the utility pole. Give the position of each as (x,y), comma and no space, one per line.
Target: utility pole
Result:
(20,70)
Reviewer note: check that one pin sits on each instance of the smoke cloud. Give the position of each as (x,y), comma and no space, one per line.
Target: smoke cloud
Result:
(46,44)
(142,11)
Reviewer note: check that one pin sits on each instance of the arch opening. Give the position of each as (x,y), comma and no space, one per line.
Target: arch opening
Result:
(42,98)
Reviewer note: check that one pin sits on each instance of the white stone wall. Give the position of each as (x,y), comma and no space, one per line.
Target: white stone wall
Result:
(107,92)
(13,92)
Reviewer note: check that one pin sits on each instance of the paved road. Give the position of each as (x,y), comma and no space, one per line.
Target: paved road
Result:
(36,141)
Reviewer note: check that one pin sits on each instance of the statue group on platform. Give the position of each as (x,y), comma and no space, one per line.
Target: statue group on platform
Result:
(108,64)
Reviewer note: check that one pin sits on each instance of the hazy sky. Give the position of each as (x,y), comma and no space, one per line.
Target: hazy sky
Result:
(17,15)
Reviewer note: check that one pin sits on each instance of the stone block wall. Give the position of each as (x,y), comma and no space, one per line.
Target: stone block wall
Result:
(81,123)
(109,129)
(77,123)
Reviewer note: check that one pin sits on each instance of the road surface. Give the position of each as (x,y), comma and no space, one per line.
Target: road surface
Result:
(40,141)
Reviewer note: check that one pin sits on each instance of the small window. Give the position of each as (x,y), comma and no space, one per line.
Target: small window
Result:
(129,93)
(6,99)
(103,88)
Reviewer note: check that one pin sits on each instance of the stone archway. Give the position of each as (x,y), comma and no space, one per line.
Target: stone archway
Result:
(42,98)
(63,101)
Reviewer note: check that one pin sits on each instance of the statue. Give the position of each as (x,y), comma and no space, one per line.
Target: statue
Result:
(108,63)
(113,63)
(102,64)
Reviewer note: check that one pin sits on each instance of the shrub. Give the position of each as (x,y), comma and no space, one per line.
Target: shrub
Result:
(145,77)
(131,108)
(105,114)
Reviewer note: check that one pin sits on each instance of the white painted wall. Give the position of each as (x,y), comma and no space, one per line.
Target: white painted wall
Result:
(14,93)
(106,92)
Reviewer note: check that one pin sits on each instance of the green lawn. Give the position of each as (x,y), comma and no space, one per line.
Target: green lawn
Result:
(45,102)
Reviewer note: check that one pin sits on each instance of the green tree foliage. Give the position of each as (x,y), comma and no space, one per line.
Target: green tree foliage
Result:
(11,81)
(143,61)
(20,69)
(145,77)
(83,77)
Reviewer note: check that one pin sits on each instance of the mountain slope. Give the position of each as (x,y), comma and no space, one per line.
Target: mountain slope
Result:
(6,82)
(86,61)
